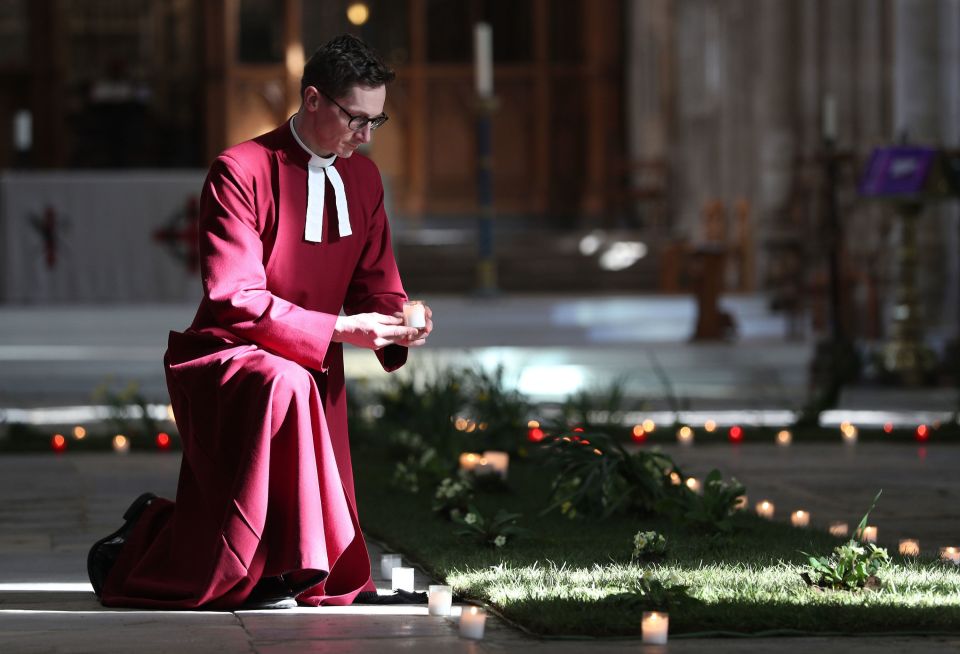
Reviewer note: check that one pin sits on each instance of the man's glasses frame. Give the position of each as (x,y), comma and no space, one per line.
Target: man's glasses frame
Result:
(357,123)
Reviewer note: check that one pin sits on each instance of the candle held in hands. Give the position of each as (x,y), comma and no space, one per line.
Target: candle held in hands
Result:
(414,314)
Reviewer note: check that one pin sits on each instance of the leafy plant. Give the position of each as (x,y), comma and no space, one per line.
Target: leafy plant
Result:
(500,412)
(453,497)
(584,410)
(419,469)
(492,532)
(598,477)
(650,594)
(852,565)
(127,408)
(713,509)
(648,544)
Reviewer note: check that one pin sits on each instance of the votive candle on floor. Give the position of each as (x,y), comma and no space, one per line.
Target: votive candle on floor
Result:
(439,600)
(951,554)
(685,436)
(784,438)
(472,621)
(910,547)
(387,563)
(869,534)
(654,627)
(500,461)
(765,509)
(800,518)
(693,484)
(402,579)
(839,529)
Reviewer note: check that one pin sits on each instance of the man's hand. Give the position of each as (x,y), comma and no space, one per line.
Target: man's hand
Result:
(374,331)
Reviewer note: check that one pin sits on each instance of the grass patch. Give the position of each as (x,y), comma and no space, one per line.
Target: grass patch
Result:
(569,577)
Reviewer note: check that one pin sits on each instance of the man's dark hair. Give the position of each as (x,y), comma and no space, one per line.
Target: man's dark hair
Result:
(342,63)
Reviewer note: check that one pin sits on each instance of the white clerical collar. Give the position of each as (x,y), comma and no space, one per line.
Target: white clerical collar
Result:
(319,170)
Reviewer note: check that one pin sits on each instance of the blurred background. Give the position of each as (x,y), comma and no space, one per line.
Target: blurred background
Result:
(714,159)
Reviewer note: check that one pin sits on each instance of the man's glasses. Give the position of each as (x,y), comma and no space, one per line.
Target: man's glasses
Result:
(357,123)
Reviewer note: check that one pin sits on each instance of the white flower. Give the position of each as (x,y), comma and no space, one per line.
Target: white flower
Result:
(471,518)
(500,540)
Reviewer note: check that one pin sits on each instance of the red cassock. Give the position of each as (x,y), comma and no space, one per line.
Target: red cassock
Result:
(257,387)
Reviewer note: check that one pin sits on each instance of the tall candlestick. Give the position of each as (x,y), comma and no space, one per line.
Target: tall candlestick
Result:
(472,621)
(654,627)
(439,600)
(483,59)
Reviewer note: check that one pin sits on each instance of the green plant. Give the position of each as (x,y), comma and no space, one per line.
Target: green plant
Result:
(127,409)
(648,593)
(492,532)
(648,544)
(419,469)
(452,497)
(852,565)
(592,412)
(597,477)
(712,510)
(501,413)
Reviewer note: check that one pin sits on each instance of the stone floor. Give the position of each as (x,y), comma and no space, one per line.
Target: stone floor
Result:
(52,508)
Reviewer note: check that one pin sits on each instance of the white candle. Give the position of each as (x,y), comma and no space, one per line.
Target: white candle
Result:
(499,461)
(951,554)
(765,509)
(829,117)
(784,438)
(439,600)
(839,528)
(800,518)
(685,436)
(387,563)
(870,534)
(121,444)
(483,59)
(693,484)
(910,547)
(402,579)
(469,461)
(414,314)
(654,627)
(472,621)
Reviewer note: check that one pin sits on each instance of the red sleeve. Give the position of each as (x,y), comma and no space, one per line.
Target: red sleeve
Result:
(234,280)
(375,285)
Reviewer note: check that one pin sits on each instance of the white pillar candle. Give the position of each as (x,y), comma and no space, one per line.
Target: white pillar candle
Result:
(499,461)
(839,529)
(387,563)
(910,547)
(402,579)
(869,534)
(472,621)
(951,554)
(765,509)
(654,627)
(414,314)
(800,518)
(439,600)
(483,59)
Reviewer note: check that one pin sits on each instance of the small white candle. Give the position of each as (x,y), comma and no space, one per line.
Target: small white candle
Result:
(483,59)
(439,600)
(693,484)
(469,461)
(685,436)
(414,314)
(121,444)
(849,433)
(499,461)
(910,547)
(654,627)
(387,563)
(402,579)
(784,438)
(951,554)
(839,529)
(765,509)
(870,534)
(472,621)
(800,518)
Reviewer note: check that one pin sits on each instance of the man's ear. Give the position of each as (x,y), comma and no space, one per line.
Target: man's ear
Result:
(311,98)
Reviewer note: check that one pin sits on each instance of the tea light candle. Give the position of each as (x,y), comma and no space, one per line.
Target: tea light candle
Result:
(499,461)
(121,444)
(693,484)
(654,627)
(869,534)
(765,509)
(387,563)
(839,528)
(800,518)
(472,621)
(439,600)
(402,579)
(469,461)
(849,433)
(784,438)
(910,547)
(414,314)
(685,436)
(951,554)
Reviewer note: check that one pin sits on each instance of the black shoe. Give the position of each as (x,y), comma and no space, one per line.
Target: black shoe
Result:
(278,593)
(105,551)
